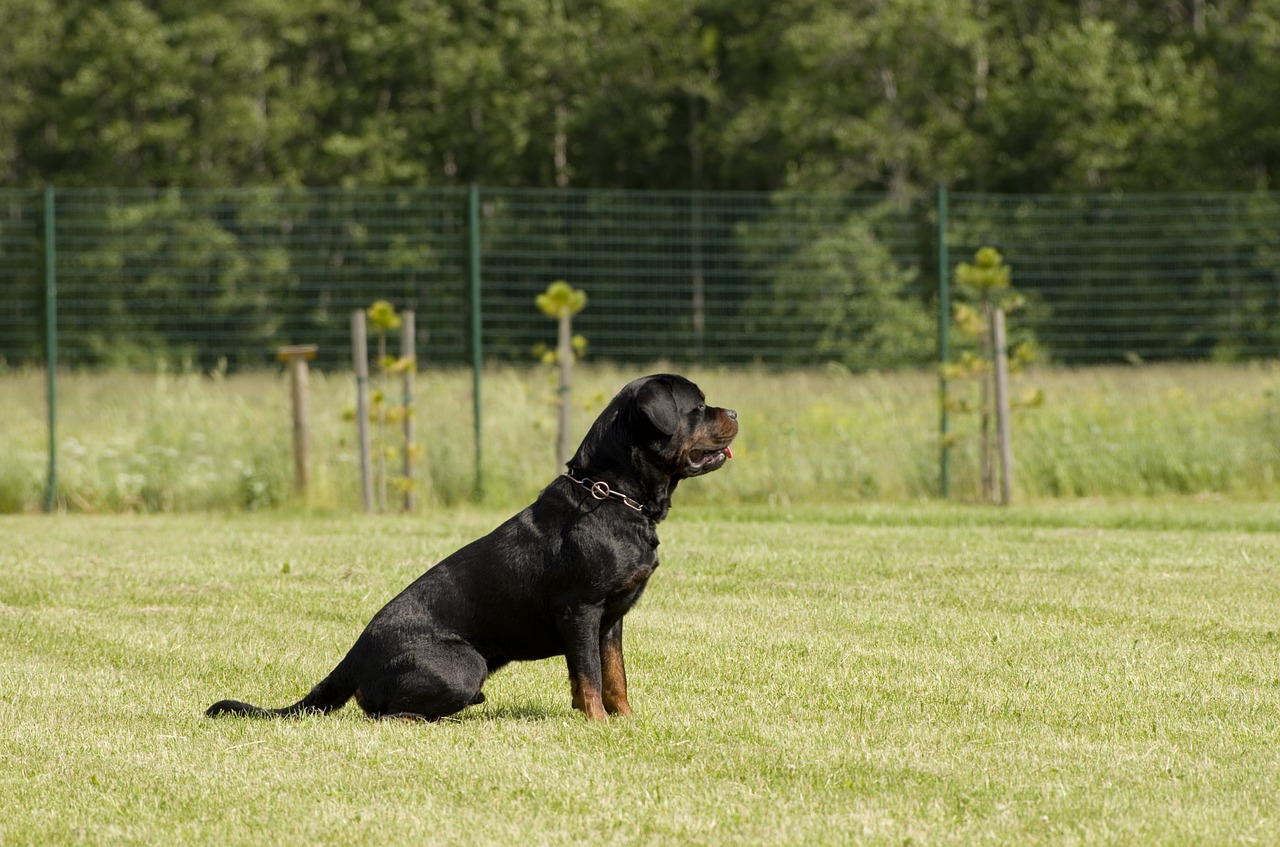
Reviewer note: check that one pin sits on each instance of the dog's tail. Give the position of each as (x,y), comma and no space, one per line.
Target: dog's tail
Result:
(329,694)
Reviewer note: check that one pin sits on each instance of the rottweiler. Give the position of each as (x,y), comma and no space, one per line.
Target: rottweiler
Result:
(554,580)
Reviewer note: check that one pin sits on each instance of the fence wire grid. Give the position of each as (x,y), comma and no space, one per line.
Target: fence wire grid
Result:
(221,278)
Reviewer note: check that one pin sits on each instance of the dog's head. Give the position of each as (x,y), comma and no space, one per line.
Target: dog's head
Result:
(658,425)
(693,438)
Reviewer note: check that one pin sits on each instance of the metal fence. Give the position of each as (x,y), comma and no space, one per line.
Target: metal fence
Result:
(222,277)
(1155,276)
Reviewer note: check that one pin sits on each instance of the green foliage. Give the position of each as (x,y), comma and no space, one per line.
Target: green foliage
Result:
(831,277)
(561,299)
(988,282)
(987,275)
(848,291)
(387,448)
(383,318)
(1108,112)
(551,355)
(809,94)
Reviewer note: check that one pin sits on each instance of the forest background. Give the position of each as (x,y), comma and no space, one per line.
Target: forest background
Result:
(876,95)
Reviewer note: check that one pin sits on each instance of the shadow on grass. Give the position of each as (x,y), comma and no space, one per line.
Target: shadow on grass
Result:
(511,712)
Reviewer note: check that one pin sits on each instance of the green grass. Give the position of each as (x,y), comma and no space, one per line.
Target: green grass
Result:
(183,442)
(1077,672)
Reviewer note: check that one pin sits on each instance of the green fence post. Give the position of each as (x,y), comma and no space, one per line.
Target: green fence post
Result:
(51,345)
(477,347)
(944,342)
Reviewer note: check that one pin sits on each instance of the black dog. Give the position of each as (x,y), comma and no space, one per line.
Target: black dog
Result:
(556,579)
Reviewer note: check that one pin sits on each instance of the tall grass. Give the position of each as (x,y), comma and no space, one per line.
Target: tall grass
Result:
(173,442)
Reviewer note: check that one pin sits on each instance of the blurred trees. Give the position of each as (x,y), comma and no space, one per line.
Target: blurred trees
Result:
(988,95)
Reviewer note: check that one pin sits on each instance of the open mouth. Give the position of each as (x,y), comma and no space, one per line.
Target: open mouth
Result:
(701,461)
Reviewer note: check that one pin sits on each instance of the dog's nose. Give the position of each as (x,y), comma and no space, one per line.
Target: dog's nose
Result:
(731,413)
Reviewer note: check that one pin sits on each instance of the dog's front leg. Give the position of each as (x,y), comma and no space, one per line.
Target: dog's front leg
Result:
(580,628)
(613,672)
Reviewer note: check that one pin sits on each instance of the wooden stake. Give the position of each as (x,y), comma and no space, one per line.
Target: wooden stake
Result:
(296,357)
(360,360)
(408,355)
(566,367)
(986,454)
(1002,408)
(382,422)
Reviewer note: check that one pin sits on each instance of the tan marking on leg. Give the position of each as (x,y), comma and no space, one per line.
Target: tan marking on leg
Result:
(588,702)
(614,676)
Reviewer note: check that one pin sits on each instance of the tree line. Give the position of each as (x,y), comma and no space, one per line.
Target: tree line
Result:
(807,95)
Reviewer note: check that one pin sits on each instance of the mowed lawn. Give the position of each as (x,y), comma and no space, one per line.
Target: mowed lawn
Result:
(1065,673)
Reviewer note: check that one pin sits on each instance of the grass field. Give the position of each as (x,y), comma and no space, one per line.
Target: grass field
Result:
(1077,672)
(182,442)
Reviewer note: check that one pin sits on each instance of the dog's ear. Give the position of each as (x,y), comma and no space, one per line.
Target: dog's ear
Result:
(656,402)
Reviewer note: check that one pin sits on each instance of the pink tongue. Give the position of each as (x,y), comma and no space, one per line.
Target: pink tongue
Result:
(728,454)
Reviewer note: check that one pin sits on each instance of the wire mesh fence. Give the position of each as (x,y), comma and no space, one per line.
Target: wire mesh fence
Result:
(707,278)
(1151,277)
(210,278)
(22,290)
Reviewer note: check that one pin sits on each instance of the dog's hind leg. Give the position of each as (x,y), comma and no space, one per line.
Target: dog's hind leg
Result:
(433,684)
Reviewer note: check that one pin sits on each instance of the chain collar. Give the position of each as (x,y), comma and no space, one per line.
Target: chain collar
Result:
(602,491)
